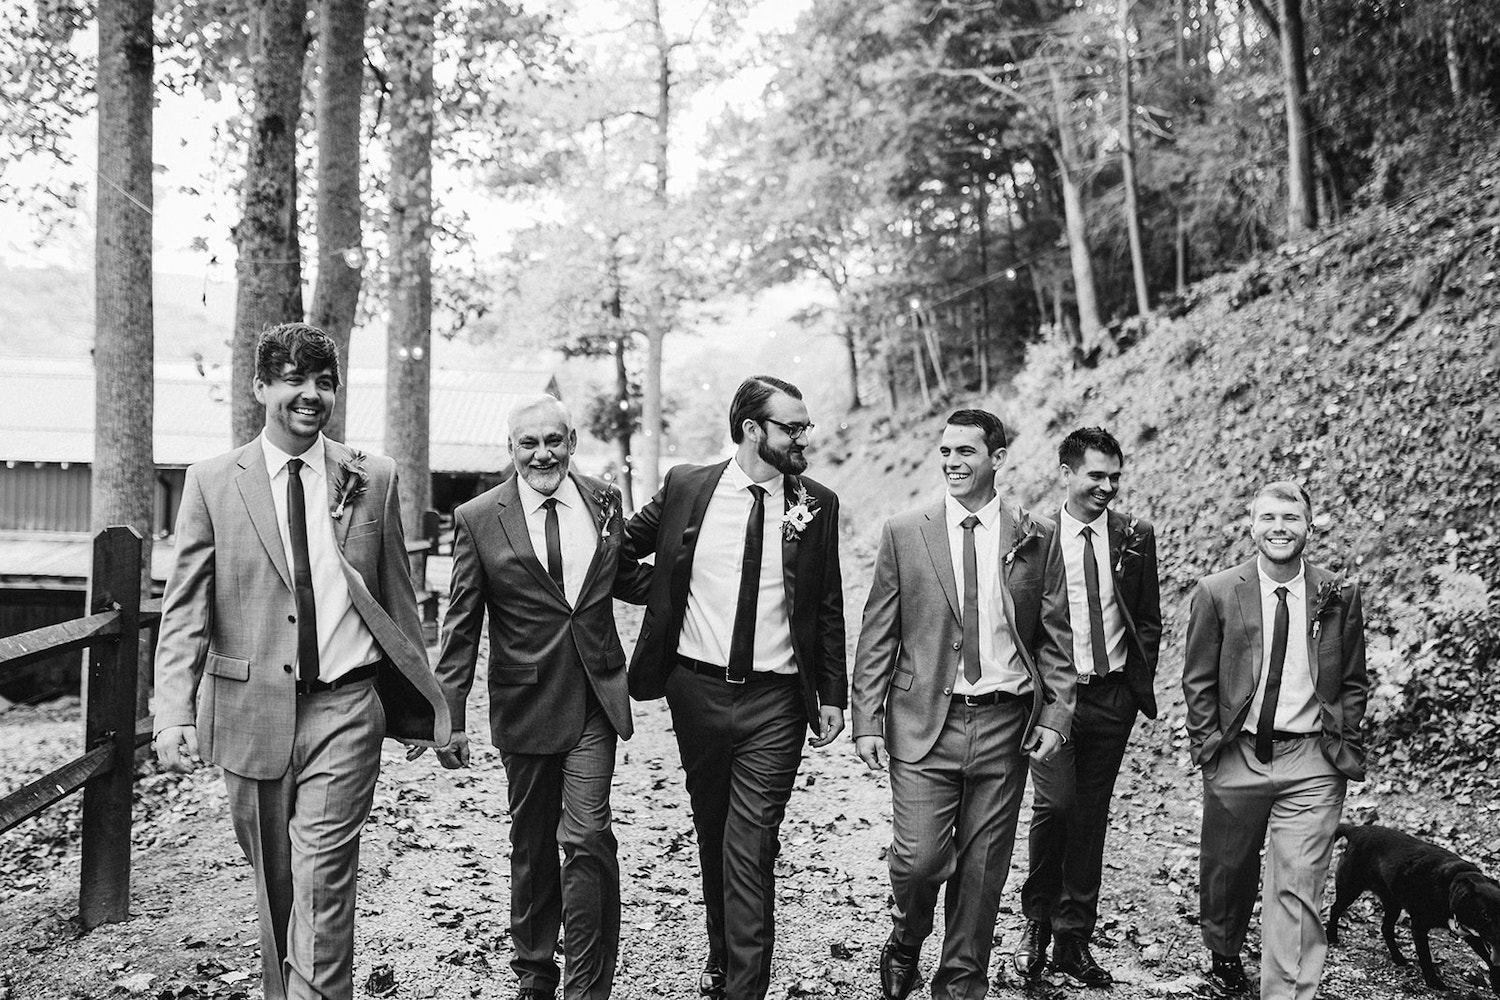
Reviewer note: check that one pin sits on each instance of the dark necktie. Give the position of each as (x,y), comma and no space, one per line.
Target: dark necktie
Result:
(742,643)
(971,601)
(1265,726)
(1096,606)
(307,609)
(554,545)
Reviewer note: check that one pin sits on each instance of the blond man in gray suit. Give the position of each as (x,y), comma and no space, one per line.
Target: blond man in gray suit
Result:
(290,646)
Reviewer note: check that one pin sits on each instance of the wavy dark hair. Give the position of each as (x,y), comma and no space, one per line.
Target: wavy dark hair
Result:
(988,424)
(751,399)
(301,345)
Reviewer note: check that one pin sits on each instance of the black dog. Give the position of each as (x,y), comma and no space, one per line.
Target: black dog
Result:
(1436,887)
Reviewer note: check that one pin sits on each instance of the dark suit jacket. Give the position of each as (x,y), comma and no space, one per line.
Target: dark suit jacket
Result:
(544,654)
(1223,664)
(669,525)
(1132,562)
(226,644)
(910,643)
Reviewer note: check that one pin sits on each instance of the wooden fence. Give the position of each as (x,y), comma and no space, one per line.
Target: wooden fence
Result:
(111,732)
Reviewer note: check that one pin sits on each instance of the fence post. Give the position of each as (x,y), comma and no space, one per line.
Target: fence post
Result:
(109,718)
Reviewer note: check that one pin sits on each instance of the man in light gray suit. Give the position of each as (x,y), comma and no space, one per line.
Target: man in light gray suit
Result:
(962,671)
(1275,687)
(290,646)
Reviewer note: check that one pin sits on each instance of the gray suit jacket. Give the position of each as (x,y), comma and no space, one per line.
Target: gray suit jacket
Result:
(1223,663)
(909,643)
(223,660)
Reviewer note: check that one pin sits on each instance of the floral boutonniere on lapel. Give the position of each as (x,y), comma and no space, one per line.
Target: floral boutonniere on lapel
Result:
(1327,596)
(352,482)
(1026,530)
(1129,543)
(608,502)
(799,514)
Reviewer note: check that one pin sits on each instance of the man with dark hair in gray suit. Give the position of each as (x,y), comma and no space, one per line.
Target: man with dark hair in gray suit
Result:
(541,554)
(290,646)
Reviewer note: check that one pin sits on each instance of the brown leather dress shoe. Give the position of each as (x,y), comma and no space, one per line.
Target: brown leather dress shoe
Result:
(898,969)
(1031,954)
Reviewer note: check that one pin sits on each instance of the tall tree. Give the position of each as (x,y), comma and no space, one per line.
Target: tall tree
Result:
(268,271)
(1301,200)
(410,46)
(124,473)
(341,256)
(1127,162)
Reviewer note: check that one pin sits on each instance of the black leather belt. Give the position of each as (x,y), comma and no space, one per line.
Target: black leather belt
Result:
(992,698)
(1113,677)
(1282,736)
(364,673)
(722,673)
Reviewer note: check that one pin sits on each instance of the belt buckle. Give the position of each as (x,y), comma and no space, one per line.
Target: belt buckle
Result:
(731,679)
(972,700)
(1090,678)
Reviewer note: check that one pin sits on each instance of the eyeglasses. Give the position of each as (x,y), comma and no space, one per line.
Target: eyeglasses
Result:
(794,431)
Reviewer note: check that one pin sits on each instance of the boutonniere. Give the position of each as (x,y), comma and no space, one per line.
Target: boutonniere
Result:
(799,514)
(608,502)
(1327,596)
(1131,536)
(352,482)
(1026,530)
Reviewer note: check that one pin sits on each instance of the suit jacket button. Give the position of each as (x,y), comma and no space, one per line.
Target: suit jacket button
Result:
(292,619)
(958,645)
(287,667)
(947,690)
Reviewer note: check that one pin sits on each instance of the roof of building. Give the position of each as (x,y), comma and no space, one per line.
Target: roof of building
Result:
(47,412)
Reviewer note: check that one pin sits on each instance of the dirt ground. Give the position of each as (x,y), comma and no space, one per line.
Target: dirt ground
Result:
(434,879)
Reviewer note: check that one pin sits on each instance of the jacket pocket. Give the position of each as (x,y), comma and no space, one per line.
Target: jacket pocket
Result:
(363,528)
(902,679)
(228,667)
(513,673)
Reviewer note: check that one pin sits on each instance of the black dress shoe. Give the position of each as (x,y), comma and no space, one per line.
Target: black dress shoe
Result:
(1031,954)
(1072,956)
(898,969)
(535,993)
(711,982)
(1228,974)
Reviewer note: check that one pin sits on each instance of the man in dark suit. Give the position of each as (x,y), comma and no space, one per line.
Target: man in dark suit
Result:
(962,672)
(541,553)
(1275,686)
(290,646)
(744,635)
(1114,610)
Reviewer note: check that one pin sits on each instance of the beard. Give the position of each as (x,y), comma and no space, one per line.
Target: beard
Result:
(788,461)
(544,481)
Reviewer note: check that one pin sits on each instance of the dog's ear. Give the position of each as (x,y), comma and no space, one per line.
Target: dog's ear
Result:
(1462,889)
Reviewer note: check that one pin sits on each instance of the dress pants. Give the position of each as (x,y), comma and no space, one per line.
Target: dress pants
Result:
(1070,811)
(301,831)
(1292,805)
(954,821)
(561,800)
(741,745)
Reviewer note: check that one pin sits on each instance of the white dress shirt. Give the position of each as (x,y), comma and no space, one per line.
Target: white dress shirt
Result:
(1000,668)
(575,528)
(1297,702)
(714,590)
(1078,593)
(344,641)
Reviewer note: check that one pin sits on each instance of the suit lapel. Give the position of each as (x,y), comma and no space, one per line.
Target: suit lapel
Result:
(1312,581)
(1116,559)
(255,489)
(586,491)
(334,455)
(789,542)
(1006,539)
(513,523)
(682,568)
(1247,594)
(935,535)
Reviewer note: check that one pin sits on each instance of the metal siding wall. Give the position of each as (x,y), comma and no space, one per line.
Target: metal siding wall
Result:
(47,499)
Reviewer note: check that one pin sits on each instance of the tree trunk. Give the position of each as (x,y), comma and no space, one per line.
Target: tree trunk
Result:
(341,54)
(982,326)
(849,336)
(656,322)
(1091,328)
(408,386)
(622,419)
(124,472)
(1453,59)
(268,271)
(1301,204)
(1182,252)
(1127,157)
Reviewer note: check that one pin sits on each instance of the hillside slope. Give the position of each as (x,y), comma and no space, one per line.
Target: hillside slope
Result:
(1360,361)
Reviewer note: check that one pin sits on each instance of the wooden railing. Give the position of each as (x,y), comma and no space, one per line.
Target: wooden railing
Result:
(111,732)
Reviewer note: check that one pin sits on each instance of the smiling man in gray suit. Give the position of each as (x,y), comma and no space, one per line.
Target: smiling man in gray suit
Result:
(541,553)
(290,646)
